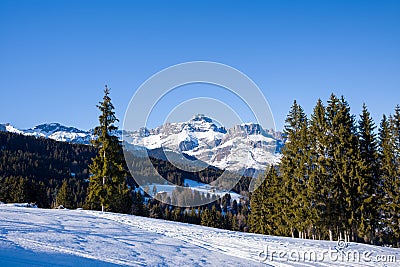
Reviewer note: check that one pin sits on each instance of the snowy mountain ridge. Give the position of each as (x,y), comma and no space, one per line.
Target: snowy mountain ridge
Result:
(245,148)
(53,131)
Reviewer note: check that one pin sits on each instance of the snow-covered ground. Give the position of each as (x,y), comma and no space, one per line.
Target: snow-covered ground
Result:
(42,237)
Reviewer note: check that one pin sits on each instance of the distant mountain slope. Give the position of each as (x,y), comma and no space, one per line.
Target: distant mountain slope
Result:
(32,169)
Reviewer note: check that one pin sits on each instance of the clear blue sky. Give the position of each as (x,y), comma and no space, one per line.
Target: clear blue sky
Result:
(56,56)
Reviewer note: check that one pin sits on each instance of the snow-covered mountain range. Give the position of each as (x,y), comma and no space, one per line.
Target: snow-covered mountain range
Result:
(246,147)
(53,131)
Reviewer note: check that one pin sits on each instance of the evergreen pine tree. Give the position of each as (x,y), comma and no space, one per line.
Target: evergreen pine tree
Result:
(395,121)
(193,216)
(390,179)
(19,190)
(234,208)
(396,185)
(267,213)
(235,226)
(176,214)
(319,186)
(344,167)
(206,219)
(108,189)
(167,213)
(369,180)
(294,169)
(138,204)
(155,212)
(64,196)
(259,215)
(216,218)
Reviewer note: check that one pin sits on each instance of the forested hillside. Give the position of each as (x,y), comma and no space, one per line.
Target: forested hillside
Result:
(33,169)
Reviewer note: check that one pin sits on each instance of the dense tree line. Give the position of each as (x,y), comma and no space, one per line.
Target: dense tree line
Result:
(338,178)
(222,213)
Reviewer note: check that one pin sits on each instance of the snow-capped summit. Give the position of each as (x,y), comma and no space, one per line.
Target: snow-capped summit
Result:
(246,147)
(202,123)
(201,117)
(49,128)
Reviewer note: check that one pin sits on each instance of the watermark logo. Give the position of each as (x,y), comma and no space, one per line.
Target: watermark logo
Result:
(341,247)
(341,252)
(158,88)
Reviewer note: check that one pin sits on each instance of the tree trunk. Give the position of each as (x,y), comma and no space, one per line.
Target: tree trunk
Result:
(104,181)
(372,237)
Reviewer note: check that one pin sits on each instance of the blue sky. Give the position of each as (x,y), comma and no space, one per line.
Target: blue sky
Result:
(56,56)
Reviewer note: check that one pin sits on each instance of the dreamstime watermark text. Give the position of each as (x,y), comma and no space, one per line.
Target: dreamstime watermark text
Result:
(338,253)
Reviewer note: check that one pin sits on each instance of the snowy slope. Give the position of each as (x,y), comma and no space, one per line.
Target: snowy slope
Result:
(38,237)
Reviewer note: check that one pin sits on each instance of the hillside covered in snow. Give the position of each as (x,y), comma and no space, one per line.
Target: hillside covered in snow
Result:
(43,237)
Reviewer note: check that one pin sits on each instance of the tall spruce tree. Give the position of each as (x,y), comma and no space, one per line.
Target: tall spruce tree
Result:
(395,121)
(344,167)
(335,191)
(108,190)
(266,206)
(259,215)
(294,168)
(369,180)
(320,184)
(390,180)
(395,125)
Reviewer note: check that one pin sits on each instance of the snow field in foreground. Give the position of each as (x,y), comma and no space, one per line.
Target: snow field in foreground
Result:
(42,237)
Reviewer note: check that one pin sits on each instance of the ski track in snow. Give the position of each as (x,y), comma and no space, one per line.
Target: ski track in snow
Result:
(42,237)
